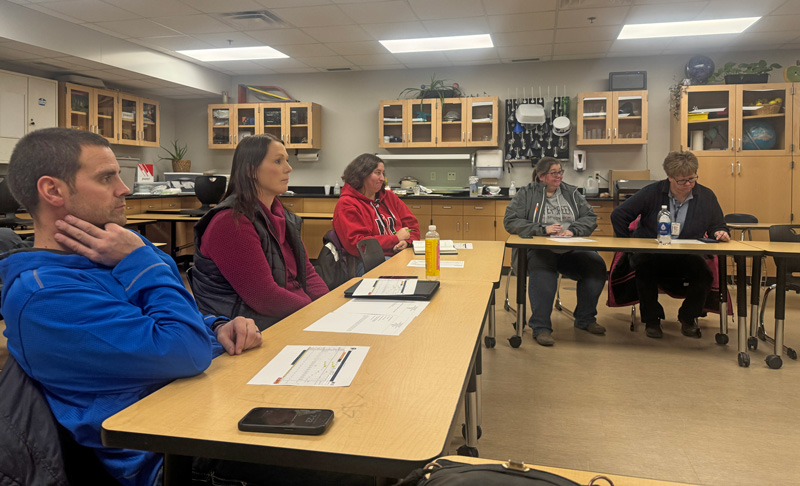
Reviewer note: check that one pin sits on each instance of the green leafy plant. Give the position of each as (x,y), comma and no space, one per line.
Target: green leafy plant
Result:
(436,89)
(731,68)
(177,152)
(675,94)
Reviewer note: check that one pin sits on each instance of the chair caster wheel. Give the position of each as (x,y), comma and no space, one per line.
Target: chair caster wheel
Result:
(721,338)
(774,361)
(744,360)
(467,451)
(752,343)
(791,353)
(489,341)
(515,341)
(464,431)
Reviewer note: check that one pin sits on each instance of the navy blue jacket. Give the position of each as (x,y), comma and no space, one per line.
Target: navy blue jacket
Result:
(704,215)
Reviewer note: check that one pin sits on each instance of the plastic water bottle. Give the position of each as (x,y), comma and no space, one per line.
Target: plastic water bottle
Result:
(512,189)
(336,189)
(590,189)
(432,268)
(664,226)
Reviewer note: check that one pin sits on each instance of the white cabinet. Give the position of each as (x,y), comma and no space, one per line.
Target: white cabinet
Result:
(27,103)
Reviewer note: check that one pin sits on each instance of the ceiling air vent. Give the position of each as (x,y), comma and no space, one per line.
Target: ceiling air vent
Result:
(530,59)
(251,19)
(338,69)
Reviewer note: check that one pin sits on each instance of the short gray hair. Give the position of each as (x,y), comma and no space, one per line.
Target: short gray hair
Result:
(678,164)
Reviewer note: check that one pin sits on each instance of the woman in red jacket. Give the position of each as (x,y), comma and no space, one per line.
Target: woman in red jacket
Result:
(367,210)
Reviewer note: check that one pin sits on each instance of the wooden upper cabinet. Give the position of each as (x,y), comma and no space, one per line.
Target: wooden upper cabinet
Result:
(431,122)
(139,121)
(612,118)
(297,124)
(89,109)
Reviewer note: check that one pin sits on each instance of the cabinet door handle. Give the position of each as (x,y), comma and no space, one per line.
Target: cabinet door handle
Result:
(608,132)
(740,145)
(732,144)
(458,226)
(469,136)
(467,226)
(447,207)
(462,136)
(731,168)
(739,166)
(615,132)
(477,207)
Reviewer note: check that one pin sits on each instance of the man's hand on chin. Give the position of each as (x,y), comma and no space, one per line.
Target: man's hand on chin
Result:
(106,246)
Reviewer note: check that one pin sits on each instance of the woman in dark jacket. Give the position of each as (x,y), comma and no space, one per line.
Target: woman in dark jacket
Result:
(249,259)
(695,213)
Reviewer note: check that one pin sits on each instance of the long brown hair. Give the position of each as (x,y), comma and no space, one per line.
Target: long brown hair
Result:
(249,154)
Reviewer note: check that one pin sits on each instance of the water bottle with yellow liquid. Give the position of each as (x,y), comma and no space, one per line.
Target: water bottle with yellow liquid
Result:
(432,265)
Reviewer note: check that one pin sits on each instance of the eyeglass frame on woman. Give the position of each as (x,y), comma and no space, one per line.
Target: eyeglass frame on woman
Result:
(556,174)
(683,182)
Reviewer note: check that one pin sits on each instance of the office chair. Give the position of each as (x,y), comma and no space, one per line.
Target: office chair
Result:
(742,218)
(784,233)
(209,190)
(371,253)
(9,207)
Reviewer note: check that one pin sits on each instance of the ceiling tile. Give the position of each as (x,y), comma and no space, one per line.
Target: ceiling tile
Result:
(293,3)
(14,54)
(749,40)
(787,8)
(403,30)
(90,10)
(313,17)
(588,34)
(277,64)
(571,57)
(326,62)
(53,13)
(702,41)
(135,28)
(506,7)
(671,12)
(602,16)
(776,23)
(174,43)
(409,58)
(520,22)
(379,12)
(525,52)
(460,26)
(638,45)
(281,37)
(540,59)
(581,47)
(306,50)
(372,59)
(506,39)
(238,39)
(194,24)
(215,6)
(443,9)
(473,55)
(357,48)
(297,70)
(383,67)
(428,65)
(740,8)
(338,33)
(154,8)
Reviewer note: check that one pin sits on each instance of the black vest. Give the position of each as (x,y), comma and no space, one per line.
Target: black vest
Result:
(213,293)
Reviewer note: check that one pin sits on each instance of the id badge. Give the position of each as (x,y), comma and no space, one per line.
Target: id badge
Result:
(675,230)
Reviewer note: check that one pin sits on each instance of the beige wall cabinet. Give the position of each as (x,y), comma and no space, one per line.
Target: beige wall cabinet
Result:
(746,176)
(448,216)
(89,109)
(612,118)
(422,211)
(459,122)
(796,152)
(297,124)
(479,220)
(139,121)
(27,103)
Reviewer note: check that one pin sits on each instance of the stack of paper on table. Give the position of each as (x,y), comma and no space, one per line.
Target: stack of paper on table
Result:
(446,247)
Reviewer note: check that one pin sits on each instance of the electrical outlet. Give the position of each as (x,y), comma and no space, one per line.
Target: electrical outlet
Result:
(451,176)
(433,176)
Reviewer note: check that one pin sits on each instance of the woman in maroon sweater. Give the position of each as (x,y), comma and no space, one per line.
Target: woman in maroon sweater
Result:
(249,254)
(367,210)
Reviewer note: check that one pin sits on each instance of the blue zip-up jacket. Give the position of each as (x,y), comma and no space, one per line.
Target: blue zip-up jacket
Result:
(98,339)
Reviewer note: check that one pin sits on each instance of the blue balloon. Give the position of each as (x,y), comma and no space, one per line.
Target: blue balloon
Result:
(699,68)
(757,135)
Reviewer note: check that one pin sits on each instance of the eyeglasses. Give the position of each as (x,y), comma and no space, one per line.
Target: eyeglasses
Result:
(684,182)
(556,174)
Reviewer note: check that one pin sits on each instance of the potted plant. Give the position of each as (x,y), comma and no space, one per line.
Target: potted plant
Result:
(744,73)
(437,88)
(176,154)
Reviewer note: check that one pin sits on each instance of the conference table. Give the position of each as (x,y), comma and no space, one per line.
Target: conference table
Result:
(738,250)
(394,417)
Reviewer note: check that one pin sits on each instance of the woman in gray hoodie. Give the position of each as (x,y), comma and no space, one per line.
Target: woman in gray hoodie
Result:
(549,207)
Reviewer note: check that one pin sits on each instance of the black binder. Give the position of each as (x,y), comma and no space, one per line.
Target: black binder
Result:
(424,291)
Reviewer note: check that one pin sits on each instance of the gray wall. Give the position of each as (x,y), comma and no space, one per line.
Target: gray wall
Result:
(349,103)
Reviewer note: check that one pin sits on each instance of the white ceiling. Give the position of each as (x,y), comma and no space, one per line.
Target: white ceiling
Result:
(323,35)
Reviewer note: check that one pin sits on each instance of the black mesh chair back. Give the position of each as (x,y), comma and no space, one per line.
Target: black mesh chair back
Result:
(371,253)
(209,190)
(742,218)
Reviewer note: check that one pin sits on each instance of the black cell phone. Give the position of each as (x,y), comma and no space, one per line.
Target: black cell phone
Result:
(709,240)
(287,420)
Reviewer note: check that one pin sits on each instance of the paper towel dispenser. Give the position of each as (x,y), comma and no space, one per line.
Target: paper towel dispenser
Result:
(488,164)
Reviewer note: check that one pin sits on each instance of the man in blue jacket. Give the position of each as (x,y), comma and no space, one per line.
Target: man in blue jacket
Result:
(94,312)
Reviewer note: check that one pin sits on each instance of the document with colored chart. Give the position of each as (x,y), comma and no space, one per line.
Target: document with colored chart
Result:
(312,366)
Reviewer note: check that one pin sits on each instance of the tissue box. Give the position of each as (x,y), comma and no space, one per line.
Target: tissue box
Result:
(144,173)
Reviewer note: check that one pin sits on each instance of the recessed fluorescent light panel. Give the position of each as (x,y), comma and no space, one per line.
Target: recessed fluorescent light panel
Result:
(438,43)
(234,53)
(684,29)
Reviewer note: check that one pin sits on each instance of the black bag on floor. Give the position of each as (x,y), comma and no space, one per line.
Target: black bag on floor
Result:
(443,472)
(334,265)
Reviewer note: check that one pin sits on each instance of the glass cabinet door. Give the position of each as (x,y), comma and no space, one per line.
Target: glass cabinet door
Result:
(129,111)
(78,109)
(630,110)
(709,117)
(151,123)
(106,106)
(391,130)
(298,125)
(482,116)
(422,129)
(763,126)
(246,116)
(272,120)
(219,126)
(452,129)
(594,120)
